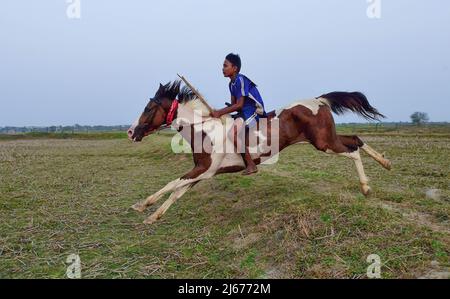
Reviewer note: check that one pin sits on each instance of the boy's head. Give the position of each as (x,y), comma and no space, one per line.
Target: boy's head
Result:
(231,65)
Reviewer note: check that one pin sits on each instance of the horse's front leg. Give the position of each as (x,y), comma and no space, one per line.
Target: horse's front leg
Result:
(166,205)
(188,178)
(200,172)
(141,206)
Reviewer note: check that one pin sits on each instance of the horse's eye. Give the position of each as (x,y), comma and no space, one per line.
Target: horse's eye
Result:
(147,109)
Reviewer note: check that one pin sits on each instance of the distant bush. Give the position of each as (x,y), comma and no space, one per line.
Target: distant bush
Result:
(419,118)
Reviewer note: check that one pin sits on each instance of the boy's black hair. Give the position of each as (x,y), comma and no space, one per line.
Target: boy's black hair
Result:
(235,60)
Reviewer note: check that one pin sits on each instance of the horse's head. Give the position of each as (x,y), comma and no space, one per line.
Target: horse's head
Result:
(155,112)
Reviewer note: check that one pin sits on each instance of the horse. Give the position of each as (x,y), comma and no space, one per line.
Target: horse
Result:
(308,121)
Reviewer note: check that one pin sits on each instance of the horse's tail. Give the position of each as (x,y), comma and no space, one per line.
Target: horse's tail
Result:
(340,102)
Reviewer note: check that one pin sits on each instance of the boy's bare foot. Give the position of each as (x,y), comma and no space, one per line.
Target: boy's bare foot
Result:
(250,170)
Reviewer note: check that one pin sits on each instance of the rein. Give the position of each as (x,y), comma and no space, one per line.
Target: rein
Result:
(171,115)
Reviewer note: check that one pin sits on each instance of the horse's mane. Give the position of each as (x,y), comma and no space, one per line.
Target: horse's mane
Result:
(186,95)
(170,90)
(188,99)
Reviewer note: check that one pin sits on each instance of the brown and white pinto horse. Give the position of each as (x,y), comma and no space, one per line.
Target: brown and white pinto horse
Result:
(307,121)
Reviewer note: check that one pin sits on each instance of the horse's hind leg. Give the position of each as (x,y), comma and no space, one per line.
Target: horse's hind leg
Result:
(334,146)
(355,142)
(377,156)
(363,180)
(349,152)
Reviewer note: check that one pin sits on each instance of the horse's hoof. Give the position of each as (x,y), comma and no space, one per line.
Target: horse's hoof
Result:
(138,207)
(365,189)
(249,172)
(150,220)
(387,164)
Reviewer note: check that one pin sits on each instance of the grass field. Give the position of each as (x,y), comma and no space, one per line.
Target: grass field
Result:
(303,217)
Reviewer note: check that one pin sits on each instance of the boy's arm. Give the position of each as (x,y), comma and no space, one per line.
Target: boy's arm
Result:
(232,101)
(237,99)
(235,106)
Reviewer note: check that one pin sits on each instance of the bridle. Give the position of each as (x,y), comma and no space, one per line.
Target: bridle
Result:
(170,115)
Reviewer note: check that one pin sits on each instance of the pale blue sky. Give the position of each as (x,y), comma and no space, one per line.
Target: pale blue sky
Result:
(102,68)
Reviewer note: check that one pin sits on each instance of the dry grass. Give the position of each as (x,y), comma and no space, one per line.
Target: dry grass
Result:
(303,217)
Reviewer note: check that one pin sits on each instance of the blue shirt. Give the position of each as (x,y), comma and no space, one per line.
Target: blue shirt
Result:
(244,87)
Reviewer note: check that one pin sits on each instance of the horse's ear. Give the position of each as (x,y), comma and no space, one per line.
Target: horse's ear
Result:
(160,86)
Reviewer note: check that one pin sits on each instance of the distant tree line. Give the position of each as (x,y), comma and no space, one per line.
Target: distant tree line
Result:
(62,129)
(417,118)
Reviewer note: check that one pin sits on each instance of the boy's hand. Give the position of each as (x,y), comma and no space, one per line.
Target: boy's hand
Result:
(215,114)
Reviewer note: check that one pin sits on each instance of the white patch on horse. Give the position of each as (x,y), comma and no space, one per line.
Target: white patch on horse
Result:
(197,106)
(311,104)
(232,159)
(133,126)
(186,115)
(135,123)
(195,112)
(272,160)
(216,161)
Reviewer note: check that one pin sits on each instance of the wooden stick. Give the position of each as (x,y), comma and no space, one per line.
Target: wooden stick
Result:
(196,92)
